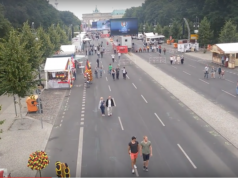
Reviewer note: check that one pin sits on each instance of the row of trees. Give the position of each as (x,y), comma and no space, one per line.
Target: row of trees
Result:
(227,34)
(21,54)
(218,17)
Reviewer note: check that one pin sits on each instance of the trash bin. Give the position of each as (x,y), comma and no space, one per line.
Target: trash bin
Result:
(32,103)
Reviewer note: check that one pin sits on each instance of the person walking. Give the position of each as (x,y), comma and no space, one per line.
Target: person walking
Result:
(101,53)
(97,62)
(113,58)
(110,69)
(133,149)
(113,73)
(117,72)
(237,88)
(171,60)
(100,71)
(222,74)
(146,152)
(164,51)
(119,55)
(98,53)
(206,69)
(96,72)
(124,72)
(219,72)
(95,50)
(182,59)
(160,49)
(101,106)
(109,105)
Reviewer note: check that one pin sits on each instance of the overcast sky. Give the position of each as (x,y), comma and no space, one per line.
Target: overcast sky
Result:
(79,7)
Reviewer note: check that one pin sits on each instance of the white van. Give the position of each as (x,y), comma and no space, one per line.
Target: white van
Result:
(140,36)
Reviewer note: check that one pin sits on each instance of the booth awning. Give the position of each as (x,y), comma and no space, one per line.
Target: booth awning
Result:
(56,64)
(228,48)
(67,49)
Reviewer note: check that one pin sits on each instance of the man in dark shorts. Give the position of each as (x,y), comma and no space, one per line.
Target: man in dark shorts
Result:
(146,152)
(133,148)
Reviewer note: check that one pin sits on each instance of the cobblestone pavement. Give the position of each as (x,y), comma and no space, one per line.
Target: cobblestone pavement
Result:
(51,100)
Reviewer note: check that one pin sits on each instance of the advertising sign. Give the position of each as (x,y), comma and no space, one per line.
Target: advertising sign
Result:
(124,26)
(194,36)
(94,24)
(103,25)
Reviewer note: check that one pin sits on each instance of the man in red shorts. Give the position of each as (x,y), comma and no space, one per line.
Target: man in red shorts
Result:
(133,148)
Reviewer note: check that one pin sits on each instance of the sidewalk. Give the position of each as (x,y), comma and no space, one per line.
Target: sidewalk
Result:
(21,137)
(223,122)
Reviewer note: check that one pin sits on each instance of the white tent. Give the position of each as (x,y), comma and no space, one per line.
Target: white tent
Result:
(56,64)
(67,49)
(228,48)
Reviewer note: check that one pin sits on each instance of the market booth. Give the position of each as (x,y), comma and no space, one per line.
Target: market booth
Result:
(225,50)
(58,73)
(67,50)
(121,49)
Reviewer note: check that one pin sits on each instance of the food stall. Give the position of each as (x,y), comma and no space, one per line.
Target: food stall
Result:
(225,50)
(58,73)
(67,50)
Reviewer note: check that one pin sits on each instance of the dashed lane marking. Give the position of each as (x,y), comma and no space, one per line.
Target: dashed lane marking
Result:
(82,123)
(203,81)
(144,98)
(228,93)
(192,66)
(114,102)
(174,67)
(185,154)
(122,128)
(186,73)
(134,85)
(159,119)
(229,81)
(106,79)
(80,153)
(109,88)
(127,76)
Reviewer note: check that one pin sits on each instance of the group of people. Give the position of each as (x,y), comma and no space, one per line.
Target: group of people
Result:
(176,59)
(213,71)
(151,48)
(109,103)
(115,72)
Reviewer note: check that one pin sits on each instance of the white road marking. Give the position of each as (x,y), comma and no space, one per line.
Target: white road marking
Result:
(229,81)
(62,117)
(82,119)
(82,123)
(122,128)
(203,81)
(127,76)
(83,108)
(159,119)
(136,171)
(192,66)
(134,85)
(114,102)
(144,98)
(82,115)
(60,125)
(82,111)
(228,93)
(83,104)
(61,120)
(104,71)
(80,153)
(106,79)
(109,88)
(186,73)
(83,97)
(63,112)
(187,156)
(174,67)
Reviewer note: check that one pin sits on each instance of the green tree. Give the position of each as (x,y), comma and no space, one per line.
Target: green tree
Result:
(141,27)
(5,25)
(17,75)
(158,29)
(63,36)
(147,27)
(228,33)
(46,46)
(54,38)
(166,31)
(205,34)
(151,28)
(176,30)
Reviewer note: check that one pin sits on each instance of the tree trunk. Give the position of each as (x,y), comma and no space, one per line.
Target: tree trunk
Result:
(20,106)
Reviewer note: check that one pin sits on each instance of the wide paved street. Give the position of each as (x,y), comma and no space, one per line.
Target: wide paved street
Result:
(183,144)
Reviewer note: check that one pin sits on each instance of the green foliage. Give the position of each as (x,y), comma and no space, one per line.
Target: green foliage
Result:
(216,11)
(166,31)
(54,37)
(205,34)
(16,69)
(176,29)
(63,36)
(46,46)
(141,27)
(158,29)
(5,25)
(228,33)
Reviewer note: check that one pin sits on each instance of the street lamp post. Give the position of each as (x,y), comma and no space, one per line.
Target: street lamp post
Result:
(196,26)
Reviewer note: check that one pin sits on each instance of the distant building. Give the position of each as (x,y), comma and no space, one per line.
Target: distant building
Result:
(97,15)
(118,14)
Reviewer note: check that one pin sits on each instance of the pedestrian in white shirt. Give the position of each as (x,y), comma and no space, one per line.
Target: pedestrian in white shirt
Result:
(124,72)
(113,57)
(171,60)
(119,55)
(109,105)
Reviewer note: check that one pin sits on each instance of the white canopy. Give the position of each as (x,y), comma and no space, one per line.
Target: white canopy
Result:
(56,64)
(68,48)
(149,34)
(228,48)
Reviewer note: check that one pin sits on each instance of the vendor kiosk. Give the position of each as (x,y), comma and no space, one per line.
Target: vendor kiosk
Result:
(58,73)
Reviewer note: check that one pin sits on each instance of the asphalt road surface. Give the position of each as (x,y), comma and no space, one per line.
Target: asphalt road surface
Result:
(183,144)
(191,73)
